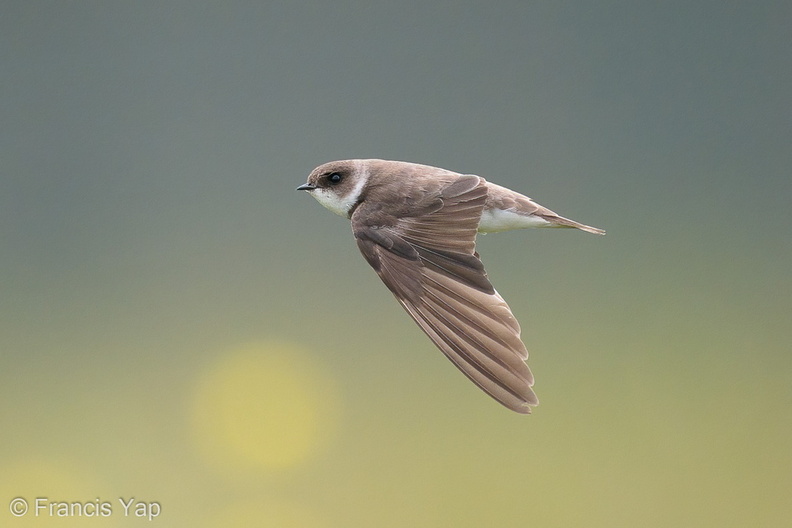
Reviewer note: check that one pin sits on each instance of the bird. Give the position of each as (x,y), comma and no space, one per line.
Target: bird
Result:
(416,225)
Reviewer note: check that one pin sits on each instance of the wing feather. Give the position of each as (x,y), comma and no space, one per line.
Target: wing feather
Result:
(429,263)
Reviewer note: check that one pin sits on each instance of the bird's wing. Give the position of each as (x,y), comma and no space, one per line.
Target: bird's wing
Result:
(427,259)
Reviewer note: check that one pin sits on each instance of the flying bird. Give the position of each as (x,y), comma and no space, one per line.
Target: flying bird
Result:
(416,226)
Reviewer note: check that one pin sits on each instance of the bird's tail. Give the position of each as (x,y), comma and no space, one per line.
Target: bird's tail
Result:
(560,221)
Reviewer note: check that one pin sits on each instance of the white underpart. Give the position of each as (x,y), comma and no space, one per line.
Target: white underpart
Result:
(341,205)
(494,220)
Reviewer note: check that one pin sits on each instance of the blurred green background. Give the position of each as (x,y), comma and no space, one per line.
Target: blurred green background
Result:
(179,325)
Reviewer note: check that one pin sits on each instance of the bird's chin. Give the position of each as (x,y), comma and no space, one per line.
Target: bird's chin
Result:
(331,201)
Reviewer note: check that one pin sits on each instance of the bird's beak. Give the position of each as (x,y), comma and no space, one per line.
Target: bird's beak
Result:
(306,187)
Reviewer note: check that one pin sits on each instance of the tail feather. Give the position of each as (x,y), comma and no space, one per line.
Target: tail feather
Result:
(560,221)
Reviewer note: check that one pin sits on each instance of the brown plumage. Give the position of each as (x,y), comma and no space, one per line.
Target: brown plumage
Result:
(416,226)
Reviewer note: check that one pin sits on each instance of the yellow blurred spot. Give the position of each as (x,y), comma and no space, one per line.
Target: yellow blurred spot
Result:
(263,406)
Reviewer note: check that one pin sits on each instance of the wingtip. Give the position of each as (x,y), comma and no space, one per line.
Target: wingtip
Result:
(525,407)
(526,404)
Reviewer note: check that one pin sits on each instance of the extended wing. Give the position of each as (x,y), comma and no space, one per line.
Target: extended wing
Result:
(427,259)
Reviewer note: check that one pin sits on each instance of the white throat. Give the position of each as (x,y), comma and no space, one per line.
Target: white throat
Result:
(341,205)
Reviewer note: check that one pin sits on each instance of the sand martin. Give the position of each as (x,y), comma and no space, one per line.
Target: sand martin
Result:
(416,226)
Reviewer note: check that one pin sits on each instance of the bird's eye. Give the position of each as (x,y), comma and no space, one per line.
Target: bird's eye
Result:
(334,177)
